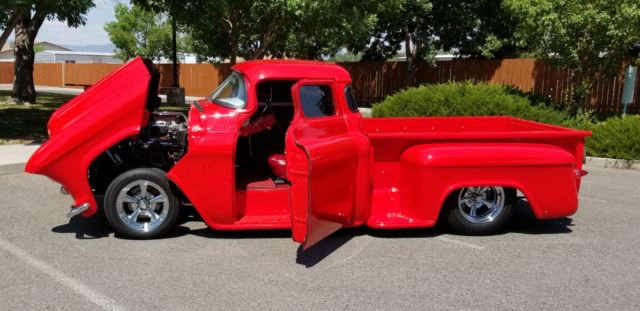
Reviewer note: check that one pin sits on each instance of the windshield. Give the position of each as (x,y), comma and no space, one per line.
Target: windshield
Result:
(231,92)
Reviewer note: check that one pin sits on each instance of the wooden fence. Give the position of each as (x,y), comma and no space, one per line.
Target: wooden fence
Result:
(373,81)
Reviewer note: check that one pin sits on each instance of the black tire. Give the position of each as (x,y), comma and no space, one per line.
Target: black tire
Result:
(119,208)
(461,223)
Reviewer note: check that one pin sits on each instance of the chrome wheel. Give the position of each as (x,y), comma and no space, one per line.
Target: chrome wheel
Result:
(481,205)
(142,205)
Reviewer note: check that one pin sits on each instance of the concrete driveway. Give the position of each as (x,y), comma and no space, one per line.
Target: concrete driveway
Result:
(588,261)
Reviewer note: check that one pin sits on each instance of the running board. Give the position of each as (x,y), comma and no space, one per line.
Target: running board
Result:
(77,210)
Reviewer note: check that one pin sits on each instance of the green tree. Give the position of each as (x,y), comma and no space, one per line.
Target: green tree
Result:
(228,29)
(424,27)
(591,38)
(28,17)
(139,32)
(241,28)
(252,29)
(323,28)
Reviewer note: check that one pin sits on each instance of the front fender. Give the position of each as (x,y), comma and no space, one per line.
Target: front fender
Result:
(108,112)
(545,174)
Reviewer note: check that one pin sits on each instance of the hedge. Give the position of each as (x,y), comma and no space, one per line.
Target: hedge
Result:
(614,138)
(617,138)
(468,99)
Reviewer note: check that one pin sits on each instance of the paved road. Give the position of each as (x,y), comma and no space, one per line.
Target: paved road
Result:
(588,261)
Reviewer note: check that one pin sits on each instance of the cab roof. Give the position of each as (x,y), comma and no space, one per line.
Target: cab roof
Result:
(258,70)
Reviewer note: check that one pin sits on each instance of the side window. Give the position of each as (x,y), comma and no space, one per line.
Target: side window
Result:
(316,101)
(351,100)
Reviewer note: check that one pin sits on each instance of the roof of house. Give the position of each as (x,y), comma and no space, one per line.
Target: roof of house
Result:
(79,53)
(44,45)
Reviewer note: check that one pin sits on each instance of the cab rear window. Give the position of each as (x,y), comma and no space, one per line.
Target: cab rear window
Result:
(316,101)
(351,100)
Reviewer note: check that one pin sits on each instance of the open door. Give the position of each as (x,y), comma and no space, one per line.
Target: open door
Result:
(321,163)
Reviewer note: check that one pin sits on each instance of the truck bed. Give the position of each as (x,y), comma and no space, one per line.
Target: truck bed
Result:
(391,136)
(392,186)
(463,128)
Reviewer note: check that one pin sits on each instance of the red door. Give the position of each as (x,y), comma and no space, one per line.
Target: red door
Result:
(321,163)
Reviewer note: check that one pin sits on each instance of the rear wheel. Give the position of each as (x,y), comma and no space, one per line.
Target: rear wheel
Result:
(480,210)
(139,204)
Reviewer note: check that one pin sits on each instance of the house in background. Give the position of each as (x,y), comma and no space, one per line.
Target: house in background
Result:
(47,52)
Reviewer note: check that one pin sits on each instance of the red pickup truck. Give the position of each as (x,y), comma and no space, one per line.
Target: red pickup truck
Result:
(281,144)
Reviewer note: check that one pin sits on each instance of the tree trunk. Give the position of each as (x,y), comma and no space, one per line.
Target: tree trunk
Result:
(408,52)
(580,94)
(233,53)
(7,31)
(26,31)
(233,36)
(267,38)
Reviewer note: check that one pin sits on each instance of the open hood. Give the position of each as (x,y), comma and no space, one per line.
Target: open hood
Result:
(111,110)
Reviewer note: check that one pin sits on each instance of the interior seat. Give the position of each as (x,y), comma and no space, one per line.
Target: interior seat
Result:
(278,165)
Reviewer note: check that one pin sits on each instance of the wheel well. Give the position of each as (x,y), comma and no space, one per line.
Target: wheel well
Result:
(447,202)
(103,170)
(126,155)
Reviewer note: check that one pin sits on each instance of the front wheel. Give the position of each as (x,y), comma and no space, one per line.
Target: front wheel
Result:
(480,210)
(139,204)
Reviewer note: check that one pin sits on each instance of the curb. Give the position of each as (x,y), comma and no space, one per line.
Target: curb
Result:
(613,163)
(13,158)
(11,168)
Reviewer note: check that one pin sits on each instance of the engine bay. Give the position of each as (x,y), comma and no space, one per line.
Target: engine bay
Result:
(161,144)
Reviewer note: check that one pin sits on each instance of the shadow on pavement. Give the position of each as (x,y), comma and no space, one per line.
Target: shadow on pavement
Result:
(523,222)
(316,253)
(94,227)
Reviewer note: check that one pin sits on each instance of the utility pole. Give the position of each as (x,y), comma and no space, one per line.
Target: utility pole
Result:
(175,93)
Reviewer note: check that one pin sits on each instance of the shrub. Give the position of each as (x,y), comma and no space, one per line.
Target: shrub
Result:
(614,138)
(617,138)
(469,99)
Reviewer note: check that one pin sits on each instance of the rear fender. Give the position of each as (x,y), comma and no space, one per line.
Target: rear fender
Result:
(430,173)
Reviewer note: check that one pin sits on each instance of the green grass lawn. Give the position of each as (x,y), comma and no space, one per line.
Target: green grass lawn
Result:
(20,124)
(27,124)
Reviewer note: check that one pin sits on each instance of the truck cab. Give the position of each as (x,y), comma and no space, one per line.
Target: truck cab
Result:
(297,157)
(280,144)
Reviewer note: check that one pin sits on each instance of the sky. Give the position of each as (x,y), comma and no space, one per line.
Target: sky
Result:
(92,33)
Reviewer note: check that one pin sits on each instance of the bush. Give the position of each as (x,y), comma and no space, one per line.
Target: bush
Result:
(614,138)
(469,99)
(617,138)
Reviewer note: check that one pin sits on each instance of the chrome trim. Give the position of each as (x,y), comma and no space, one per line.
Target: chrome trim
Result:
(142,205)
(481,205)
(77,210)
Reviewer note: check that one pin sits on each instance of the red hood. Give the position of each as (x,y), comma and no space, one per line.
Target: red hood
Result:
(106,113)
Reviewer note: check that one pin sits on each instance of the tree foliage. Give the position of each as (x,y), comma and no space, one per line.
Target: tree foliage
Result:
(323,28)
(424,27)
(251,29)
(28,17)
(139,32)
(592,38)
